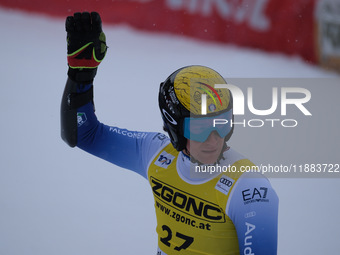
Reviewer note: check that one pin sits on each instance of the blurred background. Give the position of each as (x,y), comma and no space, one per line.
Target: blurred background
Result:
(59,200)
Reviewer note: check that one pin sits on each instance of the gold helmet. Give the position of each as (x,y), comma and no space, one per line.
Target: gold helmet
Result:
(189,100)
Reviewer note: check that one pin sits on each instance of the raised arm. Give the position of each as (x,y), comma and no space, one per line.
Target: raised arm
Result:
(86,48)
(79,125)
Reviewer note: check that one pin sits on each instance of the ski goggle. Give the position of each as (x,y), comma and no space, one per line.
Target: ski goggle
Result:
(199,129)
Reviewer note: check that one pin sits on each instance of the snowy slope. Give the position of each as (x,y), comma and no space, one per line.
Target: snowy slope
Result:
(57,200)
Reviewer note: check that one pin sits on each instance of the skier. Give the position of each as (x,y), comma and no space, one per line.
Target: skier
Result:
(198,211)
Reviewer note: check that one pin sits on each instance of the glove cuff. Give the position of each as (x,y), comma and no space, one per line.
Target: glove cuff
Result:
(82,76)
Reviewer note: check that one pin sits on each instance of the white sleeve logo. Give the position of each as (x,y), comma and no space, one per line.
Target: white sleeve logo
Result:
(164,160)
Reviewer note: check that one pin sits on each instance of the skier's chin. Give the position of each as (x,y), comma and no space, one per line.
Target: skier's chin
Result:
(209,157)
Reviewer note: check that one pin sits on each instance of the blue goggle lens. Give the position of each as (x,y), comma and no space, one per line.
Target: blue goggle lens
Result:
(199,129)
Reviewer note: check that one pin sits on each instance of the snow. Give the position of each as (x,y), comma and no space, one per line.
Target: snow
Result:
(59,200)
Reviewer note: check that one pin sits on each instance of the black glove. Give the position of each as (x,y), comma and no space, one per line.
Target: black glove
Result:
(86,45)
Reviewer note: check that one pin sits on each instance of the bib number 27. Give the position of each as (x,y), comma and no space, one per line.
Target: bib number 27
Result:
(187,240)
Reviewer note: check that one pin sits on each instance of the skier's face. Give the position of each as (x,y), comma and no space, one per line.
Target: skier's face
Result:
(208,151)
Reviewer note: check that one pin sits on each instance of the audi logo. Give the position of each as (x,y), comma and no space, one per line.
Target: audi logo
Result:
(226,182)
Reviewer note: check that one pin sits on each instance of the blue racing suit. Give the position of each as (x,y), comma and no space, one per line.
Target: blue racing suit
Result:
(222,213)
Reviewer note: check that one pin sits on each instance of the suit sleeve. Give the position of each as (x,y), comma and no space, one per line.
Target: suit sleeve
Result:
(253,208)
(80,127)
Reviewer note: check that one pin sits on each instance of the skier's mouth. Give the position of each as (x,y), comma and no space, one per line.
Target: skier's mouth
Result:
(209,151)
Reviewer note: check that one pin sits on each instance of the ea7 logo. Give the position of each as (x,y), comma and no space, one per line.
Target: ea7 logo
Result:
(255,195)
(164,160)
